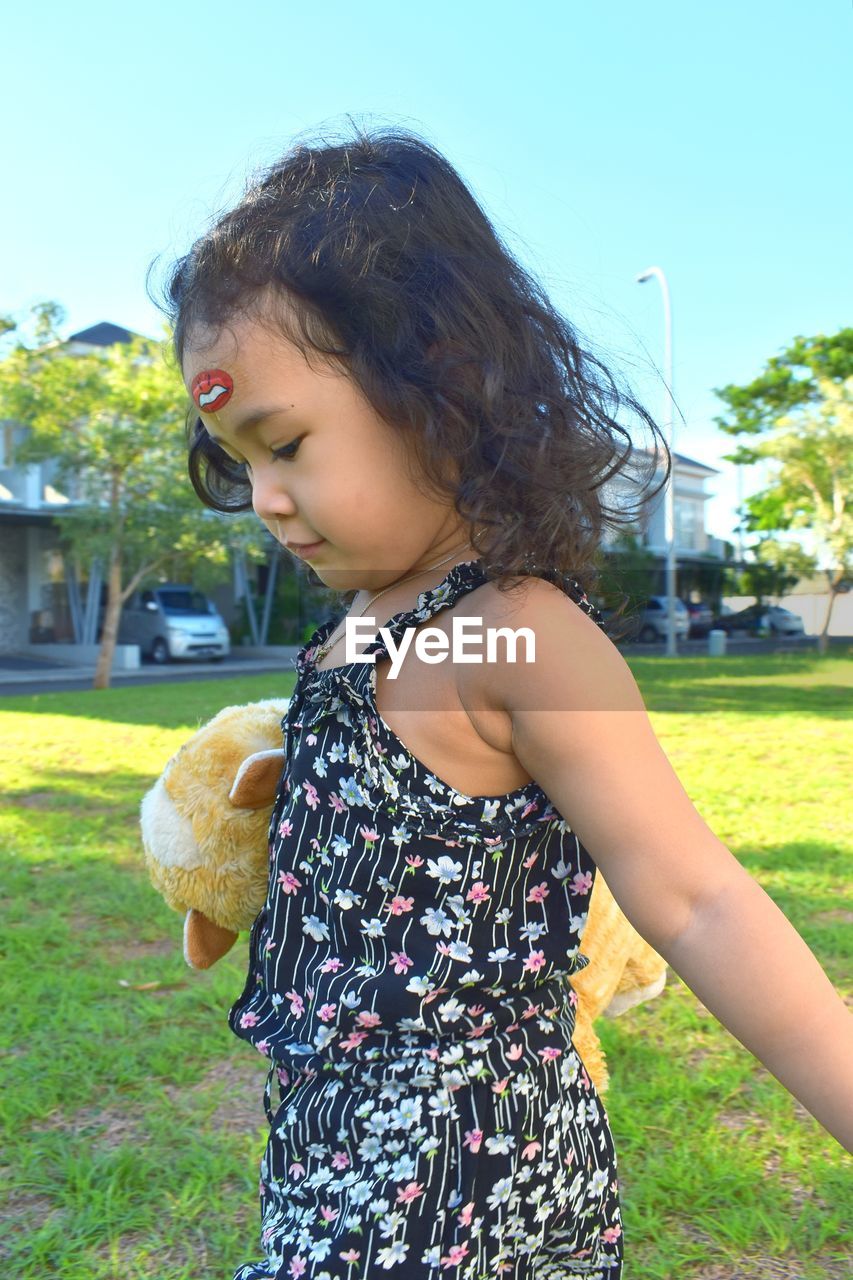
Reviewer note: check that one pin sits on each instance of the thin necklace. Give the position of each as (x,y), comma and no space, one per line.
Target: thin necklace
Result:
(331,642)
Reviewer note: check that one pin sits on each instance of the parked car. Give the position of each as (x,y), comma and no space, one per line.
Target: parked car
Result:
(782,622)
(652,621)
(701,619)
(759,617)
(174,621)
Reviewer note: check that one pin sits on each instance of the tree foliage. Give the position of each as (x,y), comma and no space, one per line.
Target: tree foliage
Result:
(802,407)
(112,423)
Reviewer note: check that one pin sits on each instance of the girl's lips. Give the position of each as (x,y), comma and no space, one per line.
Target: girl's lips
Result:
(306,549)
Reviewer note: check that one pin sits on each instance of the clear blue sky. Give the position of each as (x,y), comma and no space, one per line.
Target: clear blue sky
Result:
(712,140)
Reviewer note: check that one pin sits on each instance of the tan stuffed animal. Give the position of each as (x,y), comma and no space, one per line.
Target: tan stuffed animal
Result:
(205,830)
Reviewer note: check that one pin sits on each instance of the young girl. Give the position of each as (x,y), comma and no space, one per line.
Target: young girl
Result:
(405,411)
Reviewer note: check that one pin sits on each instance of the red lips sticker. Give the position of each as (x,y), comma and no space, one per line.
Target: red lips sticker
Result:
(212,389)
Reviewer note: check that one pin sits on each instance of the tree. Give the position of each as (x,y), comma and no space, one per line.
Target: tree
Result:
(113,423)
(802,406)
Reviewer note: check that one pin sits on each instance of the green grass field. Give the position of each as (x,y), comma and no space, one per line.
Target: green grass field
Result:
(133,1118)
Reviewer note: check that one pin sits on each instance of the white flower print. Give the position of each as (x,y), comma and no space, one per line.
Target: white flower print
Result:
(451,1010)
(315,928)
(437,922)
(338,752)
(420,986)
(460,951)
(346,899)
(501,1144)
(320,767)
(501,955)
(532,930)
(351,792)
(444,869)
(392,1255)
(373,928)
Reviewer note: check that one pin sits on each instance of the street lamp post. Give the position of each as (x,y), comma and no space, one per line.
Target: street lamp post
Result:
(669,506)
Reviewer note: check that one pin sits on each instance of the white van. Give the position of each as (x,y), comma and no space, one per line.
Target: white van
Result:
(174,621)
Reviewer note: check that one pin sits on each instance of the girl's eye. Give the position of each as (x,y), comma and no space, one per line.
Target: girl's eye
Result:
(287,450)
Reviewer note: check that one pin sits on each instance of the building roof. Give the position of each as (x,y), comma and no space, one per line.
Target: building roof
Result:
(104,334)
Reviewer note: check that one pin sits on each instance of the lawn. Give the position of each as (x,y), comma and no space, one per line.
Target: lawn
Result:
(133,1117)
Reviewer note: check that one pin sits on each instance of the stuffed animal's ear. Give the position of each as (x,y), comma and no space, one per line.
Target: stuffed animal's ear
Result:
(257,780)
(204,941)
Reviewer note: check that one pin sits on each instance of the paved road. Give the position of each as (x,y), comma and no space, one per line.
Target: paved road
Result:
(27,676)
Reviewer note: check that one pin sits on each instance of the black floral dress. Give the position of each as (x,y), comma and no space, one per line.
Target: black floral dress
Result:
(409,982)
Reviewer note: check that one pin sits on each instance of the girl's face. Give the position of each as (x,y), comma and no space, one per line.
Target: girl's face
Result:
(324,467)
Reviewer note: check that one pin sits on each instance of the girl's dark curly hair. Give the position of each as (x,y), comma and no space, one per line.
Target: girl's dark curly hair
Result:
(385,261)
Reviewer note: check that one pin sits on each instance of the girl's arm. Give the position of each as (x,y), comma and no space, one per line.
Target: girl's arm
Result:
(580,728)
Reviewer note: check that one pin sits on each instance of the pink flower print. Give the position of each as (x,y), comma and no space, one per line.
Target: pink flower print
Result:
(311,797)
(531,1151)
(283,1077)
(327,1213)
(285,827)
(297,1008)
(369,836)
(261,1188)
(249,1020)
(414,860)
(297,1170)
(353,1040)
(549,1053)
(373,725)
(297,1266)
(314,843)
(476,1032)
(368,1019)
(529,808)
(611,1234)
(476,1009)
(514,1027)
(337,803)
(433,995)
(310,993)
(289,882)
(493,839)
(465,1215)
(534,857)
(478,892)
(405,1195)
(574,999)
(269,944)
(581,1253)
(534,962)
(333,964)
(262,1047)
(531,1011)
(582,883)
(326,1012)
(538,893)
(311,739)
(473,1139)
(351,1255)
(401,962)
(500,1086)
(453,844)
(399,906)
(457,1255)
(340,1160)
(514,1052)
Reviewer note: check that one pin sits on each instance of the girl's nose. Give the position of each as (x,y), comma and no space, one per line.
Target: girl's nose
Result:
(270,499)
